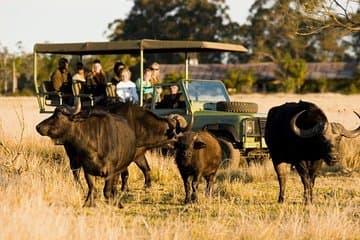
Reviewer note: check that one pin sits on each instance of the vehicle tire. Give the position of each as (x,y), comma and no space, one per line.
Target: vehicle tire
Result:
(230,156)
(239,107)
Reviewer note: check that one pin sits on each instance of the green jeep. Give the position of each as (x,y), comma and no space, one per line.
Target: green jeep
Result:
(238,125)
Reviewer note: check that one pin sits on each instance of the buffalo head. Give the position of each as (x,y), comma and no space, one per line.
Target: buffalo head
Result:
(329,133)
(57,125)
(187,143)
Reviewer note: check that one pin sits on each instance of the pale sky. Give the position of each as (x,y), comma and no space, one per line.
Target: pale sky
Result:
(39,21)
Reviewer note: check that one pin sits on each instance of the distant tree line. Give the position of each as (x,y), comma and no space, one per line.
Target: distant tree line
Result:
(289,33)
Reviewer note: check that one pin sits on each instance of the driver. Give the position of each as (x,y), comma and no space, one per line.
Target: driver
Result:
(172,100)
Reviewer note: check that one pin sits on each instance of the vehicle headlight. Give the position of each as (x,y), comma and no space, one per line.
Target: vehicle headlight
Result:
(249,127)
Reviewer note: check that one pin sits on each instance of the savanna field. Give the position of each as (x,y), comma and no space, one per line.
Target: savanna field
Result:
(39,200)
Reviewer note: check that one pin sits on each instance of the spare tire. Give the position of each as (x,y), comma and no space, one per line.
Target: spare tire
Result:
(239,107)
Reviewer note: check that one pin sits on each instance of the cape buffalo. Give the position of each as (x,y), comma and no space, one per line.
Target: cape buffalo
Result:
(300,134)
(104,143)
(150,130)
(198,154)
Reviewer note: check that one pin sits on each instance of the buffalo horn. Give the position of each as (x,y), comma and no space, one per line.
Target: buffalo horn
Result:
(351,133)
(306,133)
(190,124)
(75,109)
(181,124)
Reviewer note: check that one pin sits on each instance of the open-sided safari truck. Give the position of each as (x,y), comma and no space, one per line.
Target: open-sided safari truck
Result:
(238,125)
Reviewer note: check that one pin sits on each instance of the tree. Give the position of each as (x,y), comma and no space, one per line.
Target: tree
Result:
(273,30)
(292,73)
(329,14)
(201,20)
(240,80)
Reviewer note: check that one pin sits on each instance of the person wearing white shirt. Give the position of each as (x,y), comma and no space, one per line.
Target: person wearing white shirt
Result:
(126,89)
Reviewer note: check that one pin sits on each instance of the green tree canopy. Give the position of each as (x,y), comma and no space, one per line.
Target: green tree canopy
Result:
(273,30)
(201,20)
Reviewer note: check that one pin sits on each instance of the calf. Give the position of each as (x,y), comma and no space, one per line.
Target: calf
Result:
(198,154)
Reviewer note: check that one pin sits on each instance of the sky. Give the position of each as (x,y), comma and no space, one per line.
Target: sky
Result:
(39,21)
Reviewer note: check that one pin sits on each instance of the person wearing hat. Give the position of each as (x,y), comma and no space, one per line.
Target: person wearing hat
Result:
(61,78)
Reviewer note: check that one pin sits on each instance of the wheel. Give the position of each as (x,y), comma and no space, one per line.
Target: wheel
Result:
(240,107)
(230,155)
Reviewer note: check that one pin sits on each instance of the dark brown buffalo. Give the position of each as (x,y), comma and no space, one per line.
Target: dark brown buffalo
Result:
(300,134)
(104,144)
(150,130)
(198,154)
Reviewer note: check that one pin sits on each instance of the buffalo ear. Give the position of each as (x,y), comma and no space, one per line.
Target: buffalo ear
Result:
(199,145)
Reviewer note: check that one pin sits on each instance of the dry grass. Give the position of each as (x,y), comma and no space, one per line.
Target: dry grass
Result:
(38,199)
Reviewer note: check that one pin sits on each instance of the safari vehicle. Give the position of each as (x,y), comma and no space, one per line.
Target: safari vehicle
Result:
(238,125)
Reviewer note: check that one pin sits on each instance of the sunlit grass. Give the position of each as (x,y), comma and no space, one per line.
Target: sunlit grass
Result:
(39,200)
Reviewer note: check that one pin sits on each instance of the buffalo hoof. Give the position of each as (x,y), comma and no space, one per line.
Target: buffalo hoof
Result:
(193,197)
(115,203)
(187,201)
(89,204)
(147,185)
(125,188)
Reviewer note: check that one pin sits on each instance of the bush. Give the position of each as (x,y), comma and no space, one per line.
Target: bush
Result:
(242,81)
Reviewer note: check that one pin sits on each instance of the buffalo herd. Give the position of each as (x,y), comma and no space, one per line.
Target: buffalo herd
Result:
(104,141)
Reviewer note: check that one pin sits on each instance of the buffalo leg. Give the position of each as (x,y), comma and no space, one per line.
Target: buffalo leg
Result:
(186,187)
(280,169)
(314,169)
(306,180)
(124,179)
(143,164)
(110,192)
(195,184)
(75,164)
(90,198)
(209,184)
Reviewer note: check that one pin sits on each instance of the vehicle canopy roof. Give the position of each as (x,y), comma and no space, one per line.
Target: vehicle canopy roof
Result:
(135,46)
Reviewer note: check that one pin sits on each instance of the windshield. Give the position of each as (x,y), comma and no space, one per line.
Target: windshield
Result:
(207,91)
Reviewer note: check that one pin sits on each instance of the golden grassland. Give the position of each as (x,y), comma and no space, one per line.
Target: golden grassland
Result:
(39,200)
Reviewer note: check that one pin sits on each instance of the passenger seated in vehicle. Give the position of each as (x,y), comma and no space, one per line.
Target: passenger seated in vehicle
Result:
(172,100)
(61,78)
(78,80)
(96,80)
(126,89)
(111,86)
(118,67)
(155,78)
(147,85)
(61,82)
